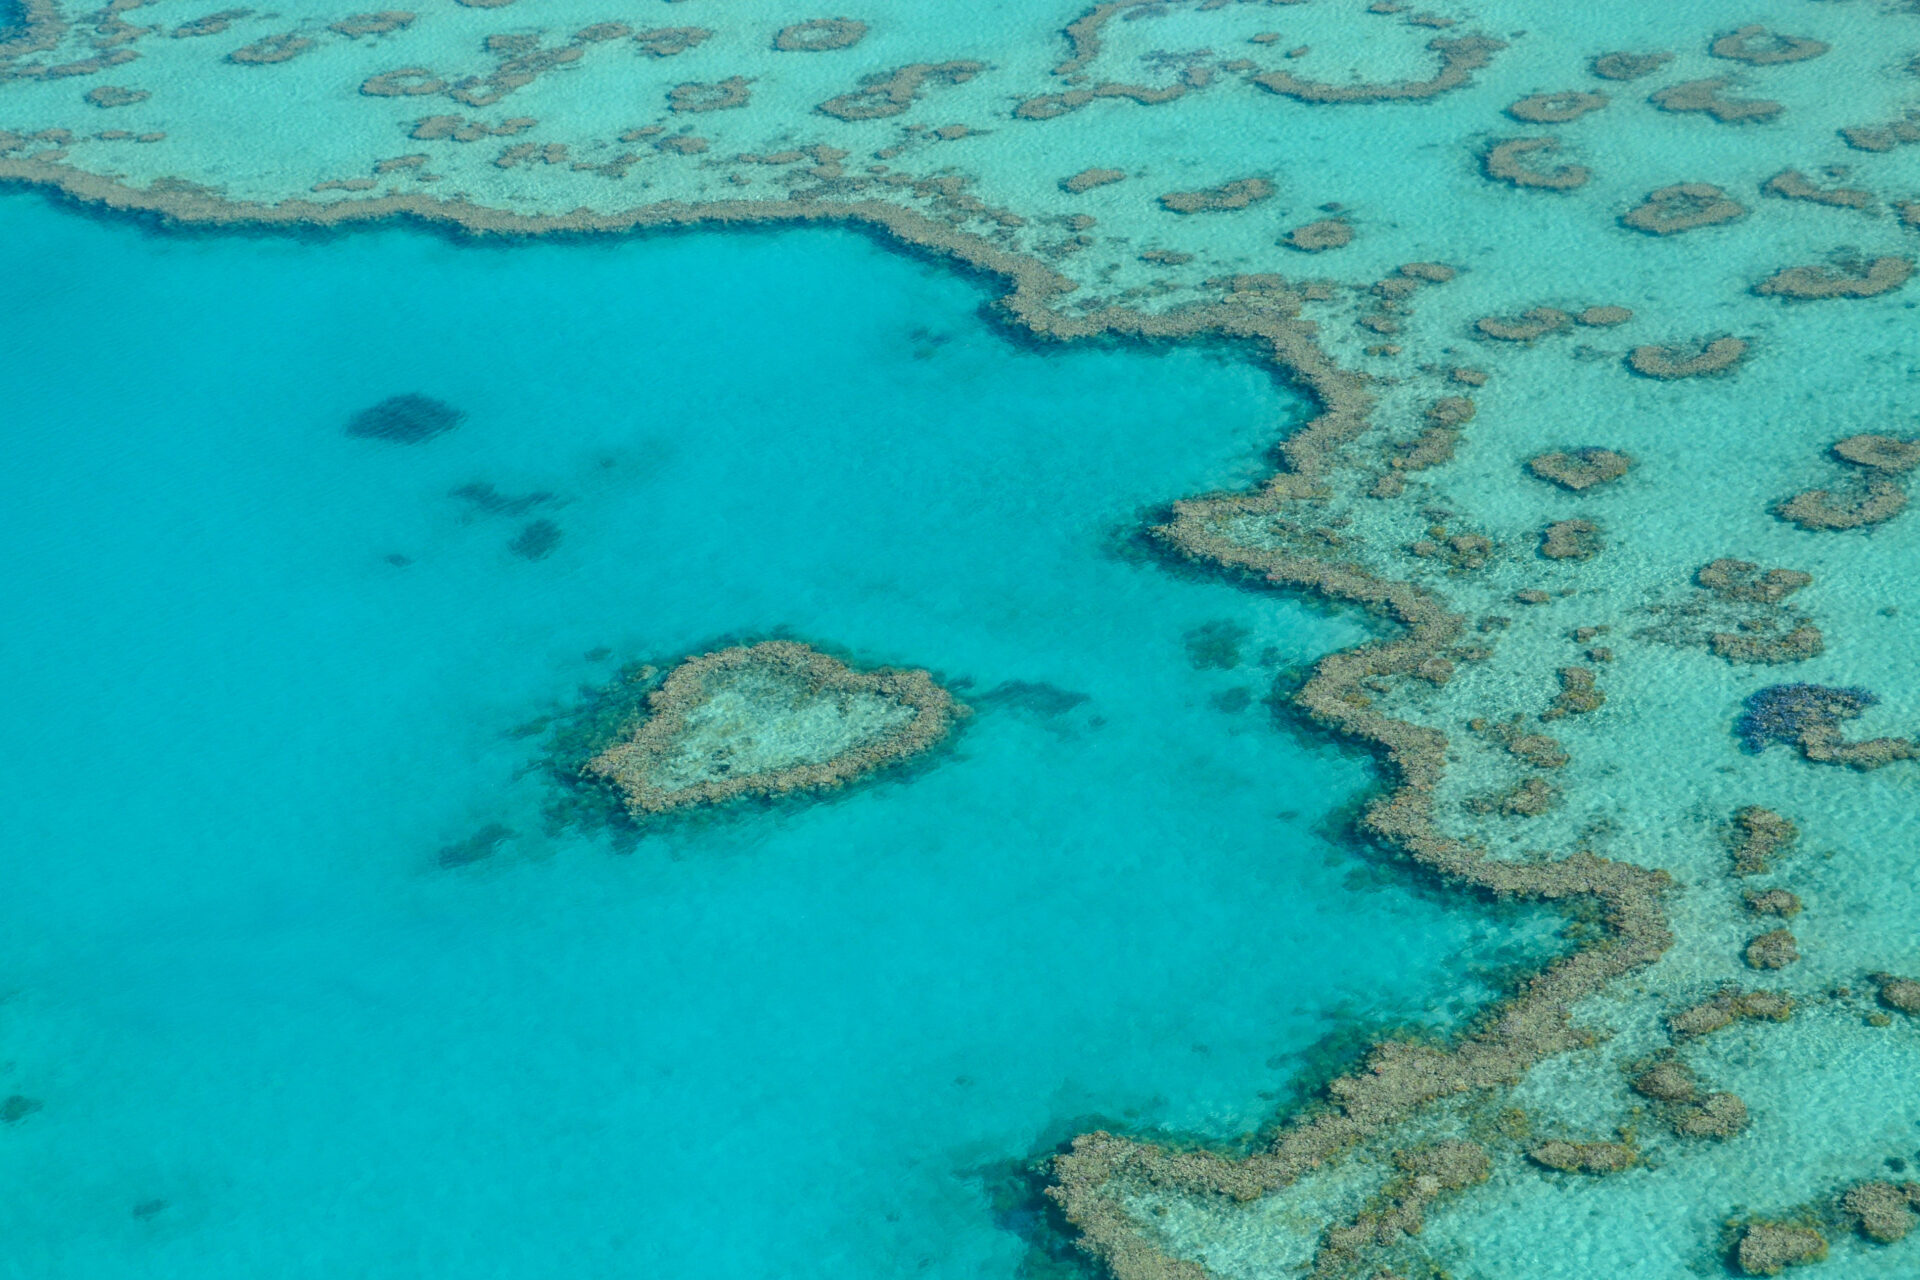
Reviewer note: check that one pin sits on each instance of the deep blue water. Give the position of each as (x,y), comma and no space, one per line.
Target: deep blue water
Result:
(272,1036)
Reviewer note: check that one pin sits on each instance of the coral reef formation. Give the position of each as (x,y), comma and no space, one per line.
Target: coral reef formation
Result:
(767,719)
(1687,359)
(1768,1248)
(1810,716)
(1237,194)
(1580,469)
(1882,275)
(1684,206)
(405,419)
(877,158)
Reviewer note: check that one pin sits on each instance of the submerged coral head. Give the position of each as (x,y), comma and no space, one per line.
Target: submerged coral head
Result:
(405,419)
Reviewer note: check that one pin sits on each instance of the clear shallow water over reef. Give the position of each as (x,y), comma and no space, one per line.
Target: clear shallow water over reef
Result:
(802,1040)
(1604,331)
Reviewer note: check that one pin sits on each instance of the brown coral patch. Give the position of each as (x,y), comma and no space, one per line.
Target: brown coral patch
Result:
(1704,96)
(1772,902)
(1758,836)
(1083,34)
(1048,106)
(1581,468)
(1687,359)
(1879,453)
(109,95)
(1882,1211)
(211,24)
(1237,194)
(1556,108)
(1821,509)
(284,47)
(1882,275)
(820,35)
(722,95)
(1628,66)
(890,93)
(437,128)
(1604,317)
(1883,137)
(1316,237)
(1718,1115)
(1459,56)
(405,82)
(684,752)
(1775,949)
(665,42)
(1725,1009)
(1761,646)
(1528,799)
(1667,1082)
(1088,179)
(1570,540)
(1502,162)
(1578,694)
(1791,184)
(1682,207)
(1753,632)
(531,153)
(1902,994)
(1760,47)
(1536,323)
(372,24)
(1586,1157)
(1741,581)
(601,32)
(1768,1248)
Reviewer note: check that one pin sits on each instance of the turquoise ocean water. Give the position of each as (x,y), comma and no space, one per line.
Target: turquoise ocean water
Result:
(271,1035)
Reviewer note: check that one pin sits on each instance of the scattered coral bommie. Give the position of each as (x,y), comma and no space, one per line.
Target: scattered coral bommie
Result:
(1768,1248)
(1502,162)
(1556,108)
(1687,359)
(1683,207)
(405,419)
(1628,66)
(820,35)
(1819,509)
(1580,469)
(1865,280)
(1879,453)
(1705,96)
(1237,194)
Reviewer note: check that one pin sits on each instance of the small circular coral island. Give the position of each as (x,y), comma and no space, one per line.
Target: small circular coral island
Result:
(768,719)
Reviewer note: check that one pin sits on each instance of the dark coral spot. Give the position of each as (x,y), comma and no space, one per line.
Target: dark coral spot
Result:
(407,419)
(536,541)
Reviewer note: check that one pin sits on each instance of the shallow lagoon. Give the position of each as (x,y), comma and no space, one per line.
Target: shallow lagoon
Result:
(799,1040)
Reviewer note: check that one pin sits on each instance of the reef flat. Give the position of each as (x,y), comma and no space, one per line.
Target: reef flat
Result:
(1596,307)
